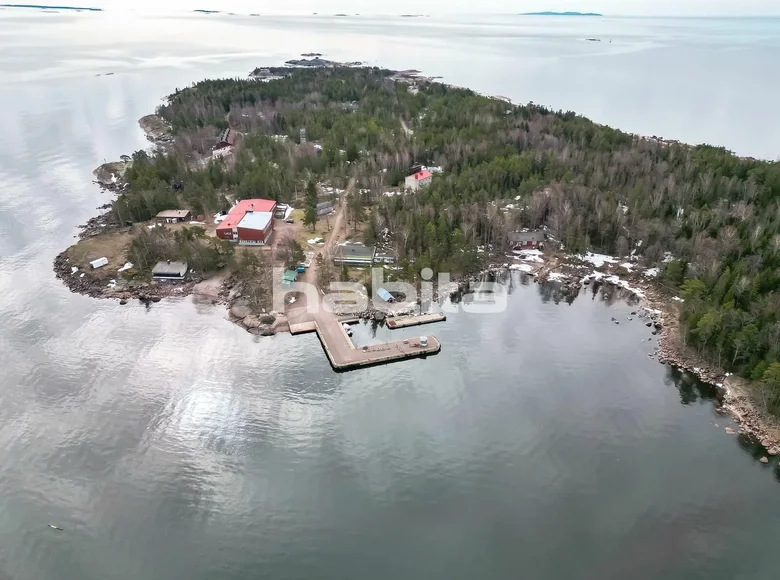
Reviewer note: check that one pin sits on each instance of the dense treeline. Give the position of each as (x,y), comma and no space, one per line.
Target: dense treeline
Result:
(504,167)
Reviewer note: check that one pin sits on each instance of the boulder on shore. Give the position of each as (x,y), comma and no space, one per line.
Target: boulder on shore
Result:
(262,330)
(764,460)
(240,310)
(250,322)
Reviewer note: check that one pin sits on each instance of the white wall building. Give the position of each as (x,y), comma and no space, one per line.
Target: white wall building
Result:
(418,180)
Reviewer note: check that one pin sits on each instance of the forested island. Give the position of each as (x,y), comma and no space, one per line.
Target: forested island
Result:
(705,220)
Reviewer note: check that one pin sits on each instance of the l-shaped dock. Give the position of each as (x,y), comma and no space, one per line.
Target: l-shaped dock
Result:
(344,355)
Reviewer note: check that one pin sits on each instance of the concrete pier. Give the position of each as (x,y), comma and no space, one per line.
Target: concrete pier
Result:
(405,321)
(344,355)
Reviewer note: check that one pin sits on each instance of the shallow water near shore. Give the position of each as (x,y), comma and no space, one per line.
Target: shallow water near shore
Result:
(541,442)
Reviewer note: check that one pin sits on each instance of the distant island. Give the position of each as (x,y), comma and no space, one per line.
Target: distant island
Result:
(202,11)
(41,7)
(561,14)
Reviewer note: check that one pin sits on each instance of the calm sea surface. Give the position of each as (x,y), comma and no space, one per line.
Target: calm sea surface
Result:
(541,443)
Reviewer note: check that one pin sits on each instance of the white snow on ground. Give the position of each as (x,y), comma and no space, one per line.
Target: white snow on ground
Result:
(557,276)
(626,286)
(315,241)
(596,276)
(597,260)
(527,268)
(627,265)
(288,212)
(127,266)
(668,257)
(678,299)
(650,272)
(529,255)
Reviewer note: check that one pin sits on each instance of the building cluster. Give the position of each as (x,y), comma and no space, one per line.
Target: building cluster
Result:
(249,223)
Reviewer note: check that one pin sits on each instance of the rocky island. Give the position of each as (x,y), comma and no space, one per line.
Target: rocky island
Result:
(363,165)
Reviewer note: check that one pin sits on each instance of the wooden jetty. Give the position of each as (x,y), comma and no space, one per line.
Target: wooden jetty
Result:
(344,355)
(405,321)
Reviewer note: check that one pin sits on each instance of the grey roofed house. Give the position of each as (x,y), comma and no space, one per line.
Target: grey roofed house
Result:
(169,270)
(324,208)
(173,215)
(353,254)
(531,239)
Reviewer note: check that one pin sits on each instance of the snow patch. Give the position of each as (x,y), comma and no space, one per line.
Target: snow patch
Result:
(527,268)
(598,260)
(650,272)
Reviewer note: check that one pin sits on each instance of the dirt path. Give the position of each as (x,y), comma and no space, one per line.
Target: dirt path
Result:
(333,237)
(406,128)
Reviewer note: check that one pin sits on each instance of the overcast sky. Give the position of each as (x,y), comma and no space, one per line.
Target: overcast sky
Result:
(433,7)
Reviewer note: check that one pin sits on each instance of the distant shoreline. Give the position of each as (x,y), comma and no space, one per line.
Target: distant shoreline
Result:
(42,7)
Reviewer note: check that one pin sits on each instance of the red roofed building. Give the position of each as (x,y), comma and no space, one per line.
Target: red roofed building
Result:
(418,180)
(250,223)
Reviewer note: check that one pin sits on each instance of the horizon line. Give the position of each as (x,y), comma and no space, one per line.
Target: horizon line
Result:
(213,12)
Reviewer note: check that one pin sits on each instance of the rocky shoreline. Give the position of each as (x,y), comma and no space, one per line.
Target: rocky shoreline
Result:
(659,310)
(101,286)
(737,396)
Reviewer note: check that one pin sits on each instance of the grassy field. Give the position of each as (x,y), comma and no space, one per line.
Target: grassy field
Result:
(112,246)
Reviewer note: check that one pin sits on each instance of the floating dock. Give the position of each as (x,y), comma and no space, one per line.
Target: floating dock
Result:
(405,321)
(344,355)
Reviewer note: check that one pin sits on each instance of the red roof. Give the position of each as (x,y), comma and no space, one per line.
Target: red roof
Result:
(422,175)
(238,212)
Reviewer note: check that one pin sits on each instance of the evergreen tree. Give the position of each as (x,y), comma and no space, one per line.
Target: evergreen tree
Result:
(310,209)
